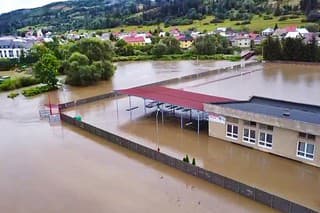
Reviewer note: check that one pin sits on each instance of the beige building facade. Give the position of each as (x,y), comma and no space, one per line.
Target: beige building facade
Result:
(280,135)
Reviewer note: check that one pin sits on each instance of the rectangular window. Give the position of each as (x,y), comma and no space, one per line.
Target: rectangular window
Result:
(305,150)
(249,135)
(232,131)
(307,136)
(265,139)
(17,53)
(1,54)
(5,53)
(10,53)
(266,127)
(250,123)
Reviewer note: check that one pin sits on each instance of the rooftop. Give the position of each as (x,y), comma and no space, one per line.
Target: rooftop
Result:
(278,108)
(176,97)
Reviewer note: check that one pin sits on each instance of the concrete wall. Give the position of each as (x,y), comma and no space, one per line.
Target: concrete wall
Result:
(284,141)
(214,178)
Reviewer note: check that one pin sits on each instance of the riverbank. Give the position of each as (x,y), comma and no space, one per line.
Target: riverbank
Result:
(177,57)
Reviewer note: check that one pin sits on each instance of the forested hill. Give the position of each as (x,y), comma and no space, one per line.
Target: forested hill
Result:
(98,14)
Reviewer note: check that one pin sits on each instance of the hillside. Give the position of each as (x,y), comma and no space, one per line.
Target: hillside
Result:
(101,14)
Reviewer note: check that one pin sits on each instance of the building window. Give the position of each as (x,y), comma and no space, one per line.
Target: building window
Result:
(5,53)
(17,53)
(1,54)
(232,131)
(305,150)
(11,53)
(249,135)
(265,139)
(307,136)
(266,127)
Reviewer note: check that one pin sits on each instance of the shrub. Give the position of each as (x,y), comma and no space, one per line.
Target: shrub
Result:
(16,83)
(283,18)
(12,95)
(187,159)
(37,90)
(193,161)
(267,17)
(216,20)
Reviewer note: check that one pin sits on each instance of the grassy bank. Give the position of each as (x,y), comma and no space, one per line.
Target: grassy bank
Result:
(18,82)
(177,57)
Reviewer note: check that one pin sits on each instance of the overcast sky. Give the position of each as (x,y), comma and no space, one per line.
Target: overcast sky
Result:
(9,5)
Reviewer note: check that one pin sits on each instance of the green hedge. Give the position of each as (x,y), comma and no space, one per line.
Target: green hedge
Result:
(19,82)
(37,90)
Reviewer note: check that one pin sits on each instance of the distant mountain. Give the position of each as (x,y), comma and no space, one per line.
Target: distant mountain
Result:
(98,14)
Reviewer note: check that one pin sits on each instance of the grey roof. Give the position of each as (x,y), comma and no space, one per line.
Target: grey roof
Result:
(16,43)
(277,108)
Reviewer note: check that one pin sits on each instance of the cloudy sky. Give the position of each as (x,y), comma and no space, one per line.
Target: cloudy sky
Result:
(9,5)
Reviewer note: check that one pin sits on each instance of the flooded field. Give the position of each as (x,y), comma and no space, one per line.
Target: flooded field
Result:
(61,169)
(268,172)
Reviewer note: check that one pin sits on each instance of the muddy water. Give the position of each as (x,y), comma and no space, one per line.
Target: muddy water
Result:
(61,169)
(299,83)
(271,173)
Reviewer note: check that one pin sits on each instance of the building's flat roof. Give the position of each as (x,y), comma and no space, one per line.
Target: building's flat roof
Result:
(176,97)
(277,108)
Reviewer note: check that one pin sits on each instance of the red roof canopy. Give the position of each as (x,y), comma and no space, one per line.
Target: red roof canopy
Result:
(176,97)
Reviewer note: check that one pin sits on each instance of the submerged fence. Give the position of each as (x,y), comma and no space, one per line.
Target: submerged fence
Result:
(250,192)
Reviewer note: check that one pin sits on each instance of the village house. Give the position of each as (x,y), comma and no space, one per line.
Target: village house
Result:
(135,39)
(186,42)
(267,32)
(242,41)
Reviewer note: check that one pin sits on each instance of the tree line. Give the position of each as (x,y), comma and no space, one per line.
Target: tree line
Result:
(291,49)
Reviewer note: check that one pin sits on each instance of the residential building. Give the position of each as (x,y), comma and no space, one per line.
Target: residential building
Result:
(11,47)
(135,40)
(186,42)
(288,129)
(267,32)
(242,41)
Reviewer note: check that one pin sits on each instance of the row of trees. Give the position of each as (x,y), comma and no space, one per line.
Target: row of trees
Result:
(290,49)
(205,45)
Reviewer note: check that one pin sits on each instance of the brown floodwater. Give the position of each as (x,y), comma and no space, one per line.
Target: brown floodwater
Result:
(59,168)
(271,173)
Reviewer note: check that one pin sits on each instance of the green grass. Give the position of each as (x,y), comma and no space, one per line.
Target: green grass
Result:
(33,91)
(257,24)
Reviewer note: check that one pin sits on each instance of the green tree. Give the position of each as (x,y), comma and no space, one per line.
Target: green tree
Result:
(46,69)
(159,49)
(205,45)
(80,72)
(271,49)
(173,45)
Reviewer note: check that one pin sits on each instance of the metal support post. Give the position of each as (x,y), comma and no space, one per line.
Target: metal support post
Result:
(130,107)
(198,123)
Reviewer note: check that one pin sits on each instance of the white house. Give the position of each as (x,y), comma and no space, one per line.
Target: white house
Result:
(241,41)
(267,32)
(294,35)
(11,47)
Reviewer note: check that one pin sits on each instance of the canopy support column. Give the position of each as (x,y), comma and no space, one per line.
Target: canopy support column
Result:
(198,122)
(130,107)
(117,103)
